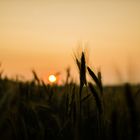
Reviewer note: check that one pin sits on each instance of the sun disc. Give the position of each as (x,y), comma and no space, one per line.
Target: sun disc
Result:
(52,78)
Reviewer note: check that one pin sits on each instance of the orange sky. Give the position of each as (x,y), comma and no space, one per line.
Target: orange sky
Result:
(42,34)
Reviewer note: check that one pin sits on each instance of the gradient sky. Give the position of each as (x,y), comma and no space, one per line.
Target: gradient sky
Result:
(42,34)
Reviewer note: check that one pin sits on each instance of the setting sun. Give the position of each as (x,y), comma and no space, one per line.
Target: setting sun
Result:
(52,78)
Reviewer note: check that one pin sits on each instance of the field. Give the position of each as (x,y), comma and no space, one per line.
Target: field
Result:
(88,111)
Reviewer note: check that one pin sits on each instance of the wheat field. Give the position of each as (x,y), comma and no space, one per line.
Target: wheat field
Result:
(84,111)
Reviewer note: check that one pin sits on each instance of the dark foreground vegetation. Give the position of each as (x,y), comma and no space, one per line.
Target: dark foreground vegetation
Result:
(36,111)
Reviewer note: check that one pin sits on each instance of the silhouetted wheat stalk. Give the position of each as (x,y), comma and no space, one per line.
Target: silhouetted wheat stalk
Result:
(132,111)
(1,71)
(96,79)
(114,129)
(98,99)
(82,77)
(36,78)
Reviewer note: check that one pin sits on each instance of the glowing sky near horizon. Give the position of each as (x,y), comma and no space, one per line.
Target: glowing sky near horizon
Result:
(42,35)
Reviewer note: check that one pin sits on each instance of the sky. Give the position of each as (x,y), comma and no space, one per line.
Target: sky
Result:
(44,34)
